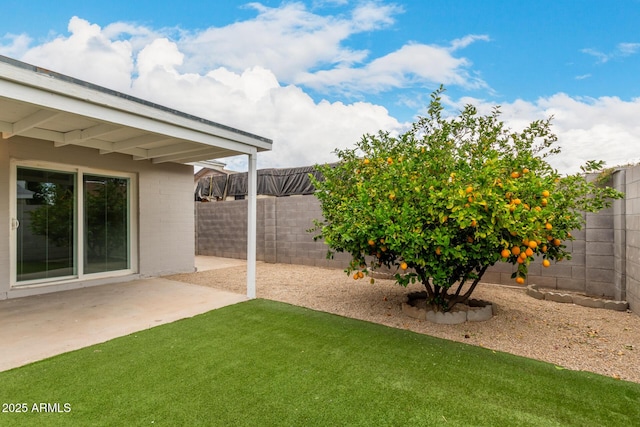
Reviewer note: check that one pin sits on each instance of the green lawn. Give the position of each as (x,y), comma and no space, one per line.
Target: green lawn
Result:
(263,363)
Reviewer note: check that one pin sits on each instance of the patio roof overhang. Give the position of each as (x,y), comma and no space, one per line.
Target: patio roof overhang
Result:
(41,104)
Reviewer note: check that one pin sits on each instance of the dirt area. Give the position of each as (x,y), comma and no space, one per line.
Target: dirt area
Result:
(606,342)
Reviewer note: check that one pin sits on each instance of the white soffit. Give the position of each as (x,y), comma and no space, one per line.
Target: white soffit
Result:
(38,103)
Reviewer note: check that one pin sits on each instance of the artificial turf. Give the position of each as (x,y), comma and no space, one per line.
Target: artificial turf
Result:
(264,363)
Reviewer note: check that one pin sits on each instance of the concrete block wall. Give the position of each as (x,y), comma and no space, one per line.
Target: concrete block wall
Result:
(605,254)
(295,245)
(282,236)
(632,241)
(566,274)
(620,237)
(222,229)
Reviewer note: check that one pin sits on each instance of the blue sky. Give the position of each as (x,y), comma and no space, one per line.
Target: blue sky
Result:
(315,75)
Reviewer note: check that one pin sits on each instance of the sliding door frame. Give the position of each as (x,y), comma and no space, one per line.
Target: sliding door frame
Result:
(79,255)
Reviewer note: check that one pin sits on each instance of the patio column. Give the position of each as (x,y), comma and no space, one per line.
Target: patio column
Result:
(252,185)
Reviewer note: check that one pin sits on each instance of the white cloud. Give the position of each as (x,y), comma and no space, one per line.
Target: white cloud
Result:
(412,64)
(373,15)
(286,40)
(160,53)
(87,54)
(605,128)
(467,40)
(251,75)
(14,45)
(621,50)
(304,132)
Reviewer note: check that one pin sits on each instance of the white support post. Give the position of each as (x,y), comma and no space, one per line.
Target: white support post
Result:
(252,185)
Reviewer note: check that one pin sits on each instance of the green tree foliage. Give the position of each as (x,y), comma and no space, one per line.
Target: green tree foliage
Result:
(54,216)
(442,202)
(105,215)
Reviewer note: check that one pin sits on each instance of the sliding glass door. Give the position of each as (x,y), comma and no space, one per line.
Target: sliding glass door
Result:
(106,223)
(70,224)
(46,214)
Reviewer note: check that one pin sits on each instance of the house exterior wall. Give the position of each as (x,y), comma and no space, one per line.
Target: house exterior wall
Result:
(166,219)
(163,206)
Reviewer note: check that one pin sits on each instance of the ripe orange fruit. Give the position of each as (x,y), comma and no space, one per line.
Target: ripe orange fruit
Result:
(469,189)
(520,260)
(360,274)
(544,248)
(366,161)
(544,202)
(404,266)
(392,196)
(389,160)
(515,174)
(515,250)
(523,255)
(545,193)
(533,244)
(557,242)
(371,242)
(525,241)
(528,252)
(505,253)
(470,199)
(545,263)
(520,280)
(474,223)
(548,226)
(438,250)
(383,249)
(517,201)
(525,171)
(355,276)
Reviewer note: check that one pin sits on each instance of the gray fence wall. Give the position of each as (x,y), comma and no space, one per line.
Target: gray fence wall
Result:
(282,224)
(605,255)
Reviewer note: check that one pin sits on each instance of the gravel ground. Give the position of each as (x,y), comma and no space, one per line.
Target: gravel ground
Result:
(574,337)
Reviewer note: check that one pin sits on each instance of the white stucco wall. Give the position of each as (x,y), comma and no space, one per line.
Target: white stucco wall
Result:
(165,219)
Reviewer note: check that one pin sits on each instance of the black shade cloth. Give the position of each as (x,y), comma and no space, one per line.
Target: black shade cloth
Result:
(271,182)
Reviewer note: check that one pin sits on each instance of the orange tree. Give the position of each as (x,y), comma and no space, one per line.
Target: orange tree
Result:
(442,202)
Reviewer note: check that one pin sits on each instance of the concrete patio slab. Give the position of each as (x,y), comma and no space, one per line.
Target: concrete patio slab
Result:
(205,263)
(37,327)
